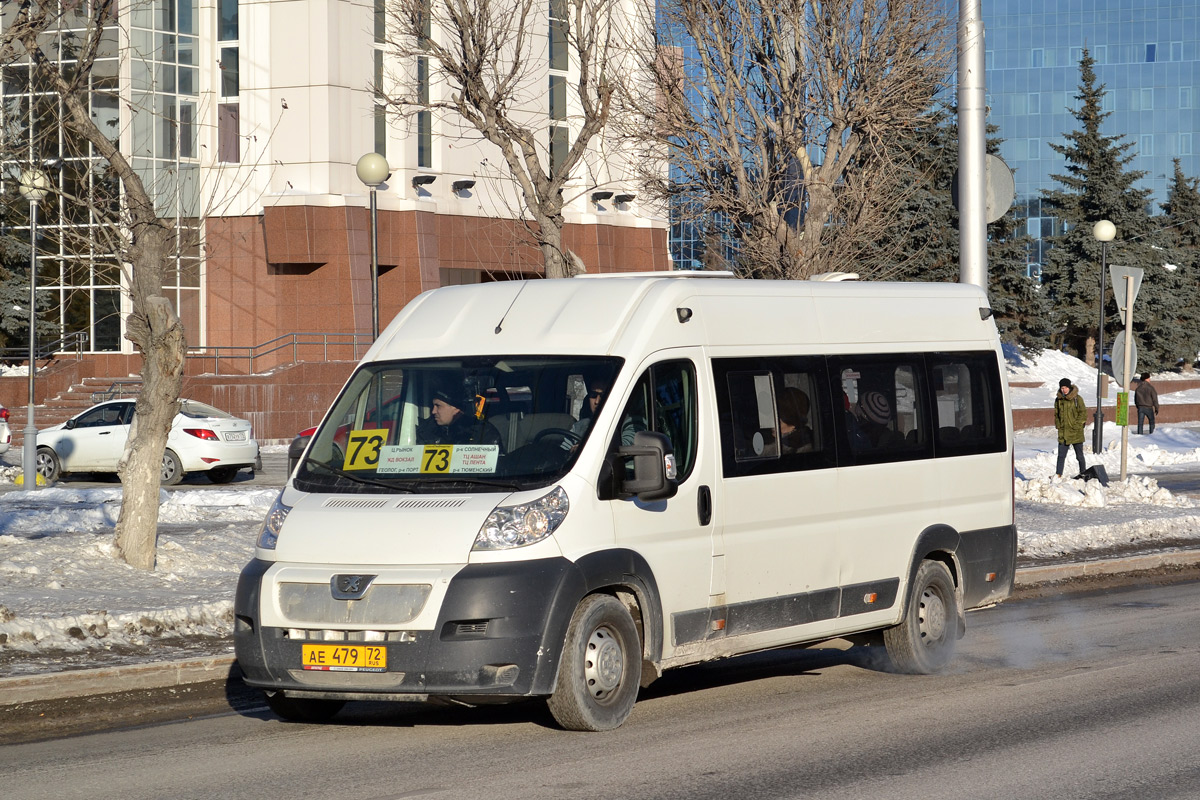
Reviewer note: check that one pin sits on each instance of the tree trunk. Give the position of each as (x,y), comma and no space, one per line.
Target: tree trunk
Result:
(1089,351)
(156,329)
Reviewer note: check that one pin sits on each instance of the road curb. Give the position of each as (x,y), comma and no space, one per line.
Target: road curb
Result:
(109,680)
(168,674)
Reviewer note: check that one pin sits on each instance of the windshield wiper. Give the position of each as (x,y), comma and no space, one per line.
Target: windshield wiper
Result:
(357,478)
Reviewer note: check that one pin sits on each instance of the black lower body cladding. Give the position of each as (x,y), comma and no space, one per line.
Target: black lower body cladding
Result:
(499,632)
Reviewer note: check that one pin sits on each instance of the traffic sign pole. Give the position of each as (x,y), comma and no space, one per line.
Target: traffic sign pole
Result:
(1130,292)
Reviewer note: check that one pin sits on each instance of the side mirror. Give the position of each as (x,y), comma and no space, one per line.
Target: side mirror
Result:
(654,471)
(69,424)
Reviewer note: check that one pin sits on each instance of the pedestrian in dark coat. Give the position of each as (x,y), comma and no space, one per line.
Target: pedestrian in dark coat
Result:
(1070,415)
(1145,397)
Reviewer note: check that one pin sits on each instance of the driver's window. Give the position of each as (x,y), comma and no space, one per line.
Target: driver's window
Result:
(99,417)
(663,400)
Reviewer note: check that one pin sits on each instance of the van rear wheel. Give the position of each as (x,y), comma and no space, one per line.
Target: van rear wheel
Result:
(598,677)
(299,709)
(924,641)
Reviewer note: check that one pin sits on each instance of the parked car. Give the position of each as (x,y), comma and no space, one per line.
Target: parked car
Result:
(5,432)
(202,439)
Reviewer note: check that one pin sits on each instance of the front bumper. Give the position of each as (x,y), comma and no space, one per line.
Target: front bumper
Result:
(499,632)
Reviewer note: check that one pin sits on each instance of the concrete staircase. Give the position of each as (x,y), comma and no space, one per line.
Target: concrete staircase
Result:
(77,397)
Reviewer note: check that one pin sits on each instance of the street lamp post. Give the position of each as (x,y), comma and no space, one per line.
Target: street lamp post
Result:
(1104,231)
(34,188)
(373,170)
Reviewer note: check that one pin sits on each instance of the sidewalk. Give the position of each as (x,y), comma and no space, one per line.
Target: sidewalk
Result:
(169,674)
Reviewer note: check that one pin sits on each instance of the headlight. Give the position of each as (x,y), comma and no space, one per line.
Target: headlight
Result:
(517,526)
(273,524)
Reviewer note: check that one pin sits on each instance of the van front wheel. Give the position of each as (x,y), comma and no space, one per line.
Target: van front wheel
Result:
(924,641)
(598,677)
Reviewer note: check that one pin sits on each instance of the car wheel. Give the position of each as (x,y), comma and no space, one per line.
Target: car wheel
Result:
(47,464)
(600,670)
(924,641)
(172,470)
(222,474)
(295,709)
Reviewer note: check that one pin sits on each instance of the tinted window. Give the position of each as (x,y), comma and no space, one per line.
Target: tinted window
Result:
(774,415)
(884,414)
(968,410)
(663,400)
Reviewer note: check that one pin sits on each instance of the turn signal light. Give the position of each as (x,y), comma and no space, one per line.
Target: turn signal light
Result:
(870,597)
(202,433)
(991,576)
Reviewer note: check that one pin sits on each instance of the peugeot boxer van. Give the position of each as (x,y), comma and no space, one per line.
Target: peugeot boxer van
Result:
(560,488)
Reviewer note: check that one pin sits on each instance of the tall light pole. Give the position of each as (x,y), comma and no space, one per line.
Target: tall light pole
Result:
(34,188)
(1105,232)
(373,170)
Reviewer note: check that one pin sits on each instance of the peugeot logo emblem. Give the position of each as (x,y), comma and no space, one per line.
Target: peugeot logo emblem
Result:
(350,587)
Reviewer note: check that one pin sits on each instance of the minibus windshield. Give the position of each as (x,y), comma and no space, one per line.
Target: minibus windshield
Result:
(443,425)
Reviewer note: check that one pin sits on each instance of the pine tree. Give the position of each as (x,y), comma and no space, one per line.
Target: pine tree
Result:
(1097,185)
(1181,222)
(926,233)
(14,292)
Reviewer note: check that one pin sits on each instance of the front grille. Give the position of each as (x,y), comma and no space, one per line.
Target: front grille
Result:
(320,635)
(309,605)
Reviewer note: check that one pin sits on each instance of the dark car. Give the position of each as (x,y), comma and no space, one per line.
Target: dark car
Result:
(296,448)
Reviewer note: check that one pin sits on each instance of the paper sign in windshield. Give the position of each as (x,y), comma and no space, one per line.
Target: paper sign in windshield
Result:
(438,459)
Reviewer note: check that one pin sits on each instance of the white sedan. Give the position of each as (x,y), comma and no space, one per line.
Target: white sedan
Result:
(202,439)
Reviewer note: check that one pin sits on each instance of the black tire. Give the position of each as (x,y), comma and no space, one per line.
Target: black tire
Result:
(296,709)
(924,641)
(172,469)
(222,474)
(601,667)
(47,464)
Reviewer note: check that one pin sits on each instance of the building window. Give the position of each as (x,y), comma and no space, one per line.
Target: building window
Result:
(1151,50)
(424,117)
(1185,97)
(380,108)
(227,20)
(229,72)
(1035,103)
(558,147)
(559,61)
(1101,54)
(1177,51)
(1037,58)
(1185,144)
(228,140)
(1146,144)
(1035,149)
(1147,99)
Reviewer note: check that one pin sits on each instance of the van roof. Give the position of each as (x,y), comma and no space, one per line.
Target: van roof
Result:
(609,314)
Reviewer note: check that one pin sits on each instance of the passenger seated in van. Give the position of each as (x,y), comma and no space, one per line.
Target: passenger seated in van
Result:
(795,436)
(868,421)
(448,424)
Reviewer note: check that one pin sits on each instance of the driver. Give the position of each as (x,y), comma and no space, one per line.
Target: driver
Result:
(447,423)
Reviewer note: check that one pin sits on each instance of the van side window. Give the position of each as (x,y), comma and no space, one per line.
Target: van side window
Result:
(883,414)
(663,400)
(774,415)
(968,413)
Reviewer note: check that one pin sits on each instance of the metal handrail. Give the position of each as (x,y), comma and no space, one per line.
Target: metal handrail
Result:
(116,389)
(253,354)
(72,342)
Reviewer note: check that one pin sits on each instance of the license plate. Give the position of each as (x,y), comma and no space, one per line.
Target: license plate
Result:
(235,436)
(344,657)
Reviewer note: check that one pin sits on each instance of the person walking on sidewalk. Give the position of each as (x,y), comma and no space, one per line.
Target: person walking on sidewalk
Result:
(1070,415)
(1146,400)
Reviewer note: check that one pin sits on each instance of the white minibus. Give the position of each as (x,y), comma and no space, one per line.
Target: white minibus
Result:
(560,488)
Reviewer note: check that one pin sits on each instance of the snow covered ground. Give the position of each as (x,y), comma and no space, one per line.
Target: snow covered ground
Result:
(66,601)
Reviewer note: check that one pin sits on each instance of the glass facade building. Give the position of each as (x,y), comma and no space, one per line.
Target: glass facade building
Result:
(1147,55)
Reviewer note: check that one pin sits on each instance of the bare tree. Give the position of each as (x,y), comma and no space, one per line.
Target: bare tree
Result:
(492,58)
(142,241)
(782,119)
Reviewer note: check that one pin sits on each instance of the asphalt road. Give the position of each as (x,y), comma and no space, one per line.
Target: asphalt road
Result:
(1092,694)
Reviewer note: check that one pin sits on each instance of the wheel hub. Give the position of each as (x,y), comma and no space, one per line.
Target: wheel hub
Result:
(604,664)
(933,616)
